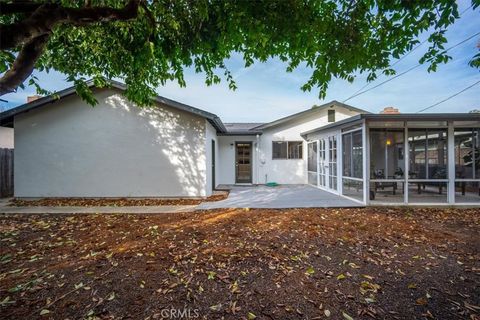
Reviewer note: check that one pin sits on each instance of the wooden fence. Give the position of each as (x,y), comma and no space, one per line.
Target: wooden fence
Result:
(6,172)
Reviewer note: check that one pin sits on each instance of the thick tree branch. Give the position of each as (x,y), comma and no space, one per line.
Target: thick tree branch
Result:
(34,31)
(48,15)
(19,7)
(23,65)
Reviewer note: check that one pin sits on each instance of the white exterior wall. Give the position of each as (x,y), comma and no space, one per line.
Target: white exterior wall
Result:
(115,149)
(211,134)
(291,171)
(226,163)
(6,138)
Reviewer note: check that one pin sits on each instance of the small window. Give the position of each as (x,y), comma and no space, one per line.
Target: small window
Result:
(279,150)
(287,150)
(295,149)
(331,115)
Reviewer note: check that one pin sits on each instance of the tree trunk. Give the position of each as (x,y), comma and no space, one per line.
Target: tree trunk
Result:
(33,33)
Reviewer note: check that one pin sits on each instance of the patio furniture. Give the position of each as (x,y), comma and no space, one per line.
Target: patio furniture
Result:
(379,174)
(436,173)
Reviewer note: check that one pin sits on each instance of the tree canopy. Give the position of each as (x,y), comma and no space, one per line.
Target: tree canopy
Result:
(148,42)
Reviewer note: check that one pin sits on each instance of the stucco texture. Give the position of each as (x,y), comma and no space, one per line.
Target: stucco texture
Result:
(292,171)
(115,149)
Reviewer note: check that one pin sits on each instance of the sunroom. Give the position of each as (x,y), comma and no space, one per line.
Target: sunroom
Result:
(397,159)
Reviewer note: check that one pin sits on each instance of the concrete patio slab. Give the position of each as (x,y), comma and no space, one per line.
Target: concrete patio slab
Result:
(280,197)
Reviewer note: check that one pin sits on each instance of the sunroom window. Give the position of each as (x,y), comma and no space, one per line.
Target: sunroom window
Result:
(387,165)
(467,165)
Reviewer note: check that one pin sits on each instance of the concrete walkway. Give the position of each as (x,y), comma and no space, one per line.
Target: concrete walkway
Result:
(283,196)
(74,210)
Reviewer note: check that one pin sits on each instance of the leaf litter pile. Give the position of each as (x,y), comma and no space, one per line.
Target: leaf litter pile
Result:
(371,263)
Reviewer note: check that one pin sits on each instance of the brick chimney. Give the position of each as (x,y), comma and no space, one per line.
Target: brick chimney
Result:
(390,110)
(33,98)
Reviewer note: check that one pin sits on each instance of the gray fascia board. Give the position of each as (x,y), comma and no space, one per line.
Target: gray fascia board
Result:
(241,133)
(399,117)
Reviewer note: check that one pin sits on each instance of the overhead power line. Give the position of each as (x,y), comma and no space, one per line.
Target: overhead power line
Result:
(410,69)
(446,99)
(401,58)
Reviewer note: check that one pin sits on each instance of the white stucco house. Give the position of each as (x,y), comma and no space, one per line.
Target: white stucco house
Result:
(65,148)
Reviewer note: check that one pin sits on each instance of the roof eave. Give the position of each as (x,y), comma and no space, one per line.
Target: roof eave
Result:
(7,116)
(305,112)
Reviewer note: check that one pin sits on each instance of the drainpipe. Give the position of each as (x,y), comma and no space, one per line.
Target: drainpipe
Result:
(257,149)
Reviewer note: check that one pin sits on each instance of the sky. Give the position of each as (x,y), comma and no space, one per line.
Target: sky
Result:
(267,92)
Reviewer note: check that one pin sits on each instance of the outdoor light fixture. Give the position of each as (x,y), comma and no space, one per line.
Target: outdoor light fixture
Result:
(389,142)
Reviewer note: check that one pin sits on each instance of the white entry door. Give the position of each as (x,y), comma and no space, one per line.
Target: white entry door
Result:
(332,163)
(327,163)
(322,163)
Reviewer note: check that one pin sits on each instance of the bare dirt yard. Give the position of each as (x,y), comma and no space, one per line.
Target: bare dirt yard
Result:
(373,263)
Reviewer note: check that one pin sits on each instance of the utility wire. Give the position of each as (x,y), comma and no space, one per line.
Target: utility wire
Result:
(410,69)
(403,57)
(453,95)
(400,59)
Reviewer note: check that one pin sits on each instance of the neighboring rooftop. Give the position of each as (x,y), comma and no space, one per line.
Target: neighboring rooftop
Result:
(390,110)
(242,128)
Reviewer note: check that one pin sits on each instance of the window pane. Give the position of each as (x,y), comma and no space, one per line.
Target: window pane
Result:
(467,153)
(467,192)
(295,149)
(437,154)
(347,154)
(312,157)
(417,144)
(387,160)
(353,189)
(427,192)
(428,153)
(279,150)
(357,154)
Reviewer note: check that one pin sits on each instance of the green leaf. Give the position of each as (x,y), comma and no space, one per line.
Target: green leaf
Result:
(44,312)
(310,271)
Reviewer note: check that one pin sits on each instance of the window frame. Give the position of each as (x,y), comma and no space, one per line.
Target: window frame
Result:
(288,153)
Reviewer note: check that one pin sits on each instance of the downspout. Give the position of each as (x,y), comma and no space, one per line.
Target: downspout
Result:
(257,160)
